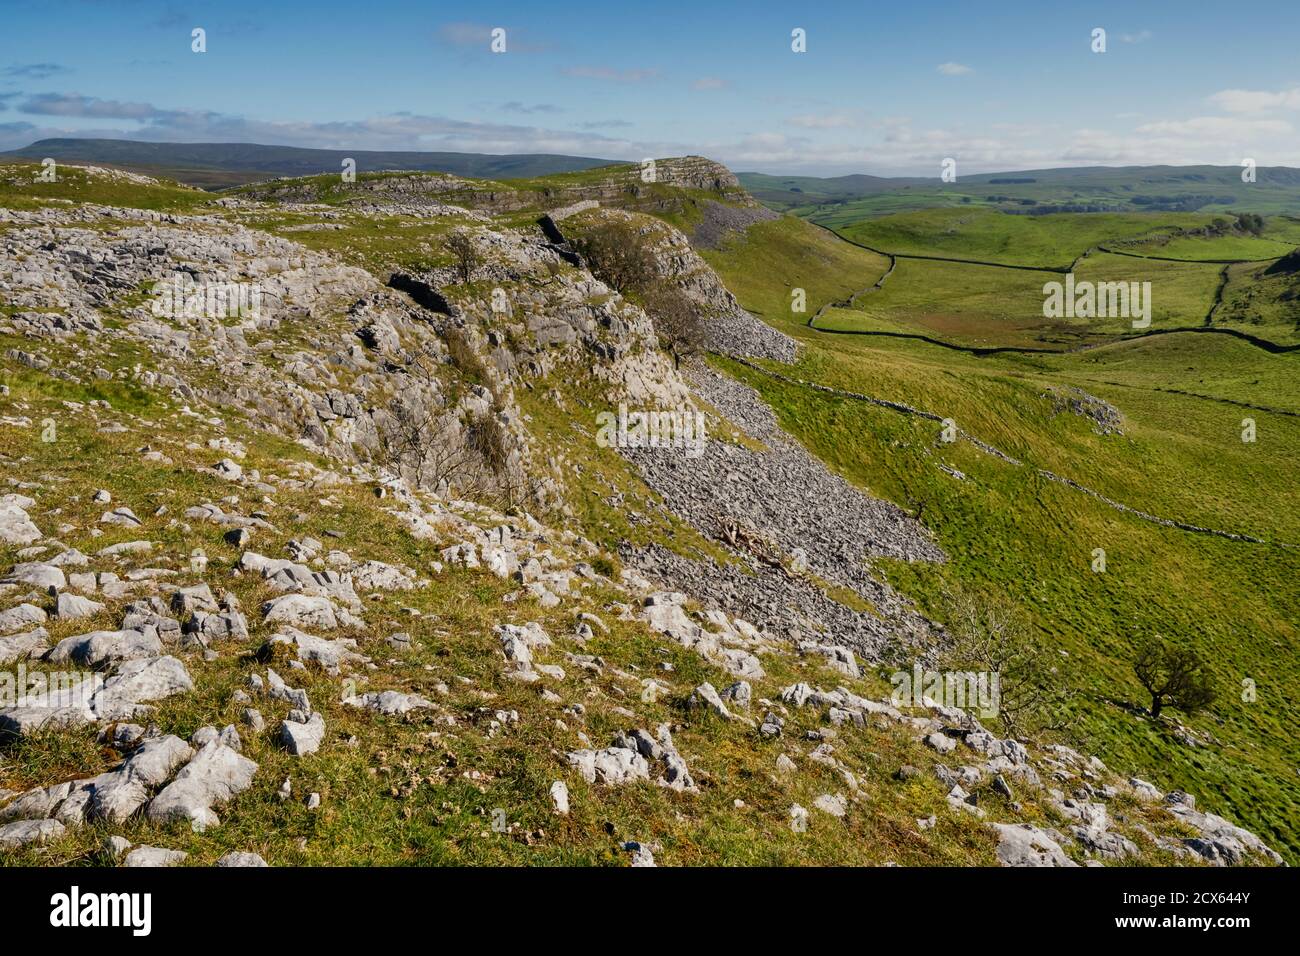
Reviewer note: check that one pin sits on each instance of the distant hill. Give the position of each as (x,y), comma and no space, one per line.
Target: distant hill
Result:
(800,190)
(1083,189)
(219,165)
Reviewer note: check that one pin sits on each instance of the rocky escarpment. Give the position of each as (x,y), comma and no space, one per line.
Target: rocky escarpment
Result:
(370,376)
(575,201)
(327,388)
(726,327)
(633,186)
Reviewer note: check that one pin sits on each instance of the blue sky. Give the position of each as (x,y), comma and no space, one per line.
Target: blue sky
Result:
(883,88)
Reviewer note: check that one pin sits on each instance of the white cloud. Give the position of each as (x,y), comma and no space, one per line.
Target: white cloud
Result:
(823,121)
(826,142)
(466,34)
(954,69)
(1212,128)
(1257,101)
(36,71)
(1140,37)
(709,83)
(478,36)
(403,131)
(609,74)
(74,104)
(515,106)
(605,124)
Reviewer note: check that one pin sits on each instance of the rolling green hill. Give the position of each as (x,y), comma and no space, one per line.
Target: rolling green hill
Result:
(835,200)
(217,165)
(1182,398)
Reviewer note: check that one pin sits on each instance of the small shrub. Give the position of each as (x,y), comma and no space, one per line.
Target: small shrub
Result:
(463,355)
(465,254)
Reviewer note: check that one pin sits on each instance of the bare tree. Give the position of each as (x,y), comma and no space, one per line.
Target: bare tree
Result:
(1173,676)
(623,257)
(678,321)
(422,439)
(990,633)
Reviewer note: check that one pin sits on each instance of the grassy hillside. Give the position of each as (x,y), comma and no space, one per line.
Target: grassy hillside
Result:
(20,189)
(430,787)
(991,236)
(762,265)
(1181,456)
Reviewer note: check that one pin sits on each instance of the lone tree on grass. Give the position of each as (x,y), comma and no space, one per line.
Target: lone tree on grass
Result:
(1173,676)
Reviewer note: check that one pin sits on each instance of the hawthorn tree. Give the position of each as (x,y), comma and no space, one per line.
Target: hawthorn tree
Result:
(464,253)
(1174,676)
(987,631)
(623,257)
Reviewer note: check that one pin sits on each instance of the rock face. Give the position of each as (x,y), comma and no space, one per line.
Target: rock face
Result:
(15,525)
(99,648)
(24,832)
(330,655)
(303,736)
(92,698)
(1220,843)
(1025,845)
(20,617)
(629,759)
(612,766)
(729,644)
(727,327)
(113,796)
(217,774)
(37,574)
(389,702)
(622,184)
(128,788)
(27,644)
(1105,417)
(149,856)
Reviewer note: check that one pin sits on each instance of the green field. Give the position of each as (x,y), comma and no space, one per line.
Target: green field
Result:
(987,235)
(1182,397)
